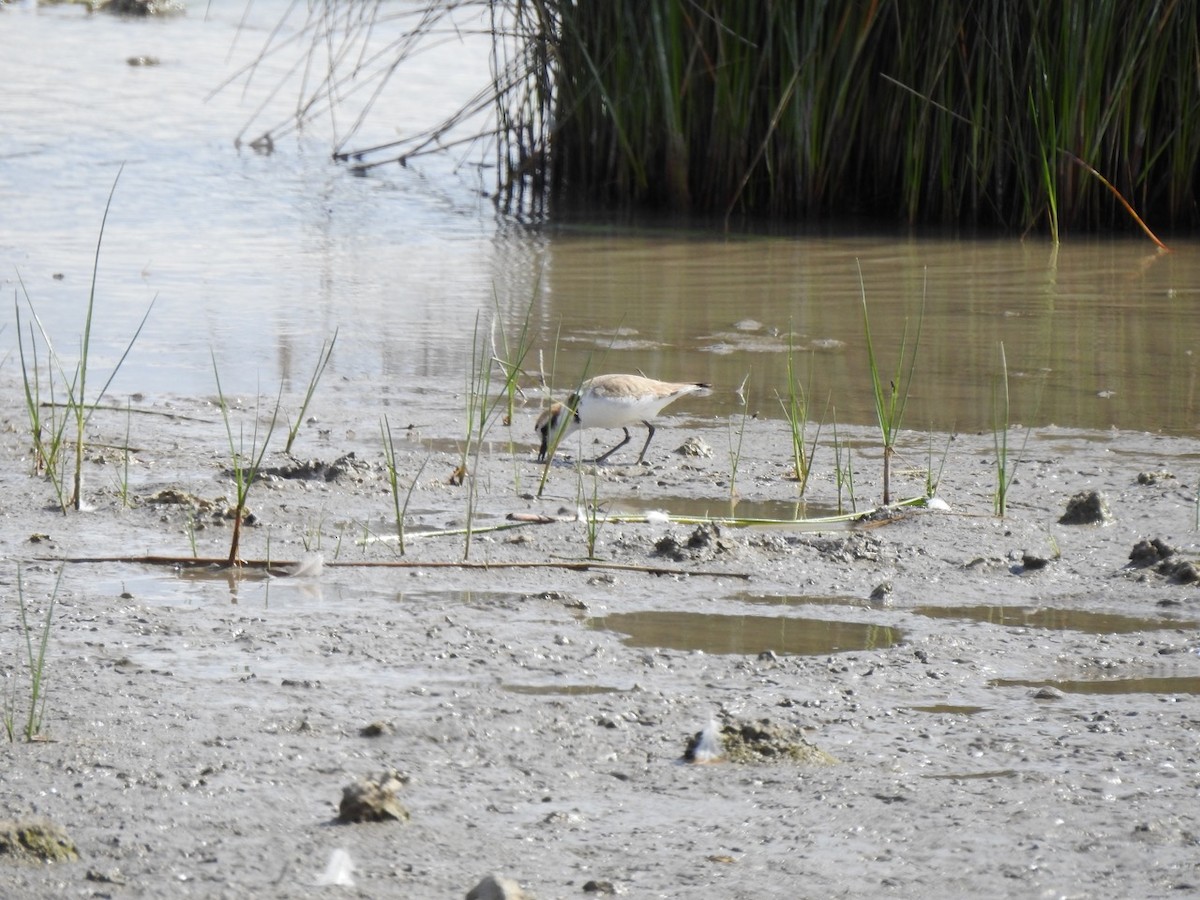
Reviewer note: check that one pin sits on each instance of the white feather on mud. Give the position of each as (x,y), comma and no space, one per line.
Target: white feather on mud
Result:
(310,566)
(339,872)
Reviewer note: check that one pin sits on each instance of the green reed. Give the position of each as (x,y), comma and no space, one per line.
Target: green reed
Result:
(401,506)
(933,478)
(592,511)
(964,112)
(482,405)
(843,469)
(244,463)
(49,442)
(891,400)
(322,361)
(796,411)
(46,433)
(35,658)
(991,113)
(1006,463)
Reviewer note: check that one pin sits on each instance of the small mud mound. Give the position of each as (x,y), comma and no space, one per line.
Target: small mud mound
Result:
(179,497)
(318,470)
(1087,508)
(853,548)
(758,742)
(36,841)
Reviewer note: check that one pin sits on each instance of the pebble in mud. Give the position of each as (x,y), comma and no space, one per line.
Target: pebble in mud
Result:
(373,800)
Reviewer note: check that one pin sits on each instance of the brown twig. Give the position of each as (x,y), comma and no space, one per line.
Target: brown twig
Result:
(279,567)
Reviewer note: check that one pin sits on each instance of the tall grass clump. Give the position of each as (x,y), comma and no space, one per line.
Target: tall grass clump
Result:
(985,112)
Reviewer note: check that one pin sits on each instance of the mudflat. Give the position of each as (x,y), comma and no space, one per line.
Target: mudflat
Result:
(996,706)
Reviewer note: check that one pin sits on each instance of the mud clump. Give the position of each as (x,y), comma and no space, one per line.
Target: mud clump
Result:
(374,800)
(703,543)
(35,841)
(1149,553)
(1162,556)
(141,9)
(1154,477)
(1178,570)
(762,742)
(1087,508)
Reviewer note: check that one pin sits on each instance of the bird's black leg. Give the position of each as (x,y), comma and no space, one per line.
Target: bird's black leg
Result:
(649,435)
(601,459)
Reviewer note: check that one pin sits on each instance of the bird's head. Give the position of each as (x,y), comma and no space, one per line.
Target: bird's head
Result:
(552,426)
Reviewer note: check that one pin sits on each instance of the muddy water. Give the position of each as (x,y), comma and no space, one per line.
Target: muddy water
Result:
(259,258)
(746,635)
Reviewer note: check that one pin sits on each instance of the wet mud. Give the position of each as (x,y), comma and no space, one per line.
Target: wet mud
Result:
(390,725)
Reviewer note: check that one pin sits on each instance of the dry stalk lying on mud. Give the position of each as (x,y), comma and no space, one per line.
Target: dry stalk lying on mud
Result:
(282,567)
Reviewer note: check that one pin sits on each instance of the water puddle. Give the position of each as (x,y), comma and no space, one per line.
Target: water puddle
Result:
(1171,684)
(974,776)
(724,634)
(1080,620)
(784,511)
(801,600)
(562,690)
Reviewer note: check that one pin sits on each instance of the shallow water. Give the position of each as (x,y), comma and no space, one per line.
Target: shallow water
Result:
(258,259)
(1083,620)
(1166,685)
(746,635)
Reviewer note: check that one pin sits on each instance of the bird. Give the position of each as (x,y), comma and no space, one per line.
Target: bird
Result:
(611,401)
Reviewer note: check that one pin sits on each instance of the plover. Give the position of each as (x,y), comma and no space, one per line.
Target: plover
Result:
(611,401)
